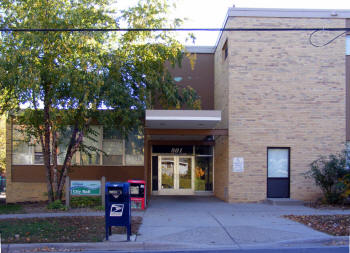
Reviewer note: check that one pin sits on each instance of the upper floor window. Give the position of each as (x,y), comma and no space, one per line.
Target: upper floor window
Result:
(225,51)
(347,45)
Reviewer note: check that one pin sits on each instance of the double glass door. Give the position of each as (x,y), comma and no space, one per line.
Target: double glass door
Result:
(175,175)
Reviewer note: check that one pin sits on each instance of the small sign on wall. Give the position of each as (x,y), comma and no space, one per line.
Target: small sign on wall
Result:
(238,164)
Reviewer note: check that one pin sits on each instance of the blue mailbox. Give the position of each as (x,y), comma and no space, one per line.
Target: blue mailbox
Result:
(117,207)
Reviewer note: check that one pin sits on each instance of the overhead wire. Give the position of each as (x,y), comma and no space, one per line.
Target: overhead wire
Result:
(324,44)
(314,30)
(163,29)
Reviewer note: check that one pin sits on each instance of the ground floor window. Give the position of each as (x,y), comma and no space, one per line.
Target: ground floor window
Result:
(204,174)
(108,147)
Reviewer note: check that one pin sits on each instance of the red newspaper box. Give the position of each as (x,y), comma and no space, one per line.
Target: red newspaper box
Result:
(137,194)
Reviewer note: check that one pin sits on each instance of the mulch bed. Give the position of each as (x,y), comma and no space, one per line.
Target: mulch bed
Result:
(59,229)
(337,225)
(320,205)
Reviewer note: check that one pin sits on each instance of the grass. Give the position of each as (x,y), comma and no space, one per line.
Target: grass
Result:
(59,229)
(10,208)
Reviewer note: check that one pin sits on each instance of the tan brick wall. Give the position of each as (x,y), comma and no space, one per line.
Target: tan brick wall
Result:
(220,168)
(221,91)
(282,93)
(20,192)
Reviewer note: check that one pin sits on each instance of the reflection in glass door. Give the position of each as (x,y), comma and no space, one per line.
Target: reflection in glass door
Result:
(167,172)
(176,175)
(185,173)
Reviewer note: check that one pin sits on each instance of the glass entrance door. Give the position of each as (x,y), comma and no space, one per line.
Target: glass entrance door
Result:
(176,175)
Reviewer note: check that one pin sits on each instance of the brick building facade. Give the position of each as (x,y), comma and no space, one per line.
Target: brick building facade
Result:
(272,103)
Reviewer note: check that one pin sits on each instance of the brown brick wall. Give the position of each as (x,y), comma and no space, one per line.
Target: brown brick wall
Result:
(282,93)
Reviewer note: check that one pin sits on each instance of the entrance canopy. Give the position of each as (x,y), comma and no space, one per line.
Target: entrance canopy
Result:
(182,119)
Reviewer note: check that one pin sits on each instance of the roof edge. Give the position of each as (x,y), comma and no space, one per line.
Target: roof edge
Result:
(200,49)
(288,13)
(282,13)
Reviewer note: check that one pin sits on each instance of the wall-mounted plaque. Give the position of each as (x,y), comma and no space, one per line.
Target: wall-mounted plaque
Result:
(238,164)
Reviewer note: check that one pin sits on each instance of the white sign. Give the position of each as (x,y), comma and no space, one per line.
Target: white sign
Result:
(238,164)
(116,210)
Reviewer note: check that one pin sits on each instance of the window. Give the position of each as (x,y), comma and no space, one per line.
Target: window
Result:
(22,150)
(113,146)
(116,149)
(92,153)
(204,168)
(347,45)
(225,50)
(63,142)
(134,148)
(278,162)
(38,155)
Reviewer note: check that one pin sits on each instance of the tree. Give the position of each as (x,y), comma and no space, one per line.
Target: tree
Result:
(66,78)
(2,143)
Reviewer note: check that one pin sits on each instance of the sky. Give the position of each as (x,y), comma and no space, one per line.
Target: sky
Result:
(211,13)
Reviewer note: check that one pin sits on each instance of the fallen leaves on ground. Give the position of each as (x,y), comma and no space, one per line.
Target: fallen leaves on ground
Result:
(59,229)
(337,225)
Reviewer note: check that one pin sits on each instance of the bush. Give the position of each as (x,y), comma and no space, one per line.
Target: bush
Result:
(57,205)
(328,172)
(85,201)
(99,208)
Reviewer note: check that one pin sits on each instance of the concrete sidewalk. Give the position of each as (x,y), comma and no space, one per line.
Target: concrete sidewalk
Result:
(209,221)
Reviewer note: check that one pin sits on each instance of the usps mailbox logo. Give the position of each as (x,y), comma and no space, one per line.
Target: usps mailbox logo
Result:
(117,210)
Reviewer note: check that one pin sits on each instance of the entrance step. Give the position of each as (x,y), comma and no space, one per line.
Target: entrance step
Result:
(283,202)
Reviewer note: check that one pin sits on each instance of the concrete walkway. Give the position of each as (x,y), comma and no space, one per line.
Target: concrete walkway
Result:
(208,221)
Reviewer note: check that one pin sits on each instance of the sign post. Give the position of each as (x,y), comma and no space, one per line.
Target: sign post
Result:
(67,191)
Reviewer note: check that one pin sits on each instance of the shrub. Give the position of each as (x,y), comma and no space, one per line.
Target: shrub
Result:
(85,201)
(57,205)
(99,208)
(327,172)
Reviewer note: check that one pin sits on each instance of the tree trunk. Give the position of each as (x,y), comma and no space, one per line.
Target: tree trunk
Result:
(71,150)
(54,163)
(46,143)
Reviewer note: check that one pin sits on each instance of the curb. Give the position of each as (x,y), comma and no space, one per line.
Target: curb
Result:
(144,246)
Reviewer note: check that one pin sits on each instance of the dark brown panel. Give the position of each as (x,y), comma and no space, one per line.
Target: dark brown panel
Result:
(347,81)
(200,77)
(161,142)
(186,131)
(36,173)
(149,171)
(347,59)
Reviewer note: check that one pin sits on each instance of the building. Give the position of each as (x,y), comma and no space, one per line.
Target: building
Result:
(271,104)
